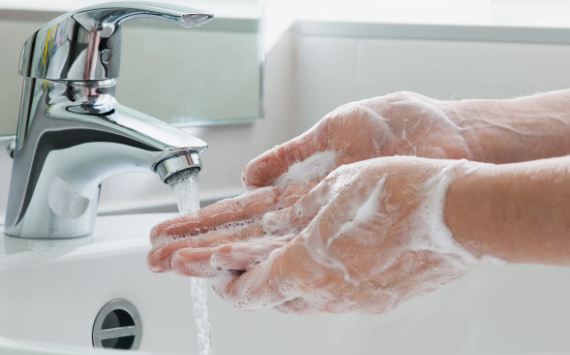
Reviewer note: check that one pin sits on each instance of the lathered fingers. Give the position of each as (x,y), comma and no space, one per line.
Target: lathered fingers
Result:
(245,207)
(159,259)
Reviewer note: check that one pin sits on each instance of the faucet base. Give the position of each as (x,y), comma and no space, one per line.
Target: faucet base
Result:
(71,137)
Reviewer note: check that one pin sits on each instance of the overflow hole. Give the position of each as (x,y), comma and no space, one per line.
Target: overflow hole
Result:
(117,326)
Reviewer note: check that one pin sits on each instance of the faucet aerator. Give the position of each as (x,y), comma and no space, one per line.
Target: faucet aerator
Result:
(173,165)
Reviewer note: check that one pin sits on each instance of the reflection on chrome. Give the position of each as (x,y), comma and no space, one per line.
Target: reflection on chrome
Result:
(72,133)
(86,44)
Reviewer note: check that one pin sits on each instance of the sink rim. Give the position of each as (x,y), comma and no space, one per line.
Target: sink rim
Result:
(113,235)
(25,347)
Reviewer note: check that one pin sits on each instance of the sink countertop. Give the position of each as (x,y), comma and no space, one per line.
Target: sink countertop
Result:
(17,347)
(113,235)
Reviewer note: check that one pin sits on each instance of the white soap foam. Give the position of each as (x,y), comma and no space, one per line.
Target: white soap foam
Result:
(316,166)
(432,232)
(255,295)
(367,220)
(364,213)
(366,216)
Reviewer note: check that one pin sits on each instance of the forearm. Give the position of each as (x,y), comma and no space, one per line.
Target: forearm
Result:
(516,212)
(517,130)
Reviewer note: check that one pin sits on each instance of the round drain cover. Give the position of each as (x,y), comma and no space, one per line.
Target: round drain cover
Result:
(118,326)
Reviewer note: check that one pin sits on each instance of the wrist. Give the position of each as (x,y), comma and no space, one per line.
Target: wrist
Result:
(515,212)
(517,130)
(465,214)
(446,226)
(475,121)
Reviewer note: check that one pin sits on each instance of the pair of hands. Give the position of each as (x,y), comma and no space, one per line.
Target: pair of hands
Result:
(341,219)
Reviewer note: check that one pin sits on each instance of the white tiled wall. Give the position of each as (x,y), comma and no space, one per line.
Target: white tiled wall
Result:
(334,71)
(325,77)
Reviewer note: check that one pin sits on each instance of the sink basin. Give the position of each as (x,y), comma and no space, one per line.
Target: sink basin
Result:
(52,291)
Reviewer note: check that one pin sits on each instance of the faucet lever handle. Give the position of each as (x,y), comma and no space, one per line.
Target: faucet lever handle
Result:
(117,12)
(85,44)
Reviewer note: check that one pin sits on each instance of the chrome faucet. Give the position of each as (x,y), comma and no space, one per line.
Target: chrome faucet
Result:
(72,133)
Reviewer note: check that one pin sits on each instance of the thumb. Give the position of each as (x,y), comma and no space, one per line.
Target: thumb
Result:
(269,284)
(266,169)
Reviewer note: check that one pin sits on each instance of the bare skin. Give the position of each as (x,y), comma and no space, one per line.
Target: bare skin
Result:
(514,212)
(517,212)
(397,124)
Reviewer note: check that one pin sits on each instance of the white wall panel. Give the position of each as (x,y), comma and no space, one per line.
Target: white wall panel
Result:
(325,77)
(333,71)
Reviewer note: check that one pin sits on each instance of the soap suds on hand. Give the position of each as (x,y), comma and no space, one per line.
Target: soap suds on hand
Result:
(316,166)
(432,232)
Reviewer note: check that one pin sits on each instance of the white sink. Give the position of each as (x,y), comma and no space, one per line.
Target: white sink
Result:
(51,292)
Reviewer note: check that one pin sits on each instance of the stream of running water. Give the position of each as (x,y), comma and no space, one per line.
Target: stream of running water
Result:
(185,185)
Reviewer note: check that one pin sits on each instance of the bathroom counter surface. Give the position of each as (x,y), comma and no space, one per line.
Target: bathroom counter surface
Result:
(113,235)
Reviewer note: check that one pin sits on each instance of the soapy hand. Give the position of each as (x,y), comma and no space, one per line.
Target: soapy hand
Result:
(397,124)
(368,237)
(371,235)
(403,123)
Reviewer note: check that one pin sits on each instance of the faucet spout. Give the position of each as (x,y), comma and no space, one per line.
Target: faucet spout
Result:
(74,135)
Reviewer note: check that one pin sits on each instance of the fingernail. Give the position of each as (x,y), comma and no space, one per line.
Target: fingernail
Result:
(154,262)
(193,254)
(192,263)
